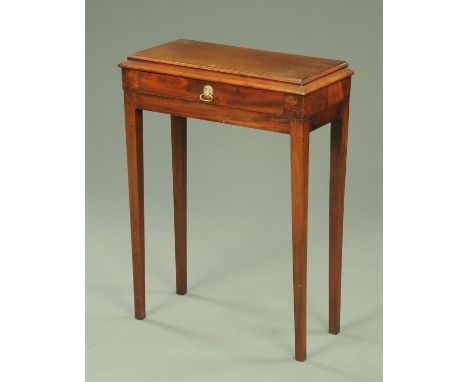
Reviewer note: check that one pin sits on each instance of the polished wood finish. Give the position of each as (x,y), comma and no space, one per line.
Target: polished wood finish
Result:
(230,96)
(299,140)
(179,172)
(252,68)
(213,113)
(291,68)
(134,137)
(271,91)
(338,150)
(325,98)
(233,79)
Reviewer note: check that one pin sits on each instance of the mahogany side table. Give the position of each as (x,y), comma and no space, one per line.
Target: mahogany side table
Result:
(265,90)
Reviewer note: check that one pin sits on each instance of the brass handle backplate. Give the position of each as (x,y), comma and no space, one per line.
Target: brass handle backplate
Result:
(207,95)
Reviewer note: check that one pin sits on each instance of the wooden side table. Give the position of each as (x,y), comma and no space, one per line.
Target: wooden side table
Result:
(271,91)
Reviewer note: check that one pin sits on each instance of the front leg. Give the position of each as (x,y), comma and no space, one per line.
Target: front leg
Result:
(338,149)
(134,136)
(299,137)
(179,173)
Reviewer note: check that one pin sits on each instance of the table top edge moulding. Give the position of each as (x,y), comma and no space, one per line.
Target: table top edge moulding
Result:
(261,69)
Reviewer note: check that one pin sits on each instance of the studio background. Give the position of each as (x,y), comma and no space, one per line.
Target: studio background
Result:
(236,322)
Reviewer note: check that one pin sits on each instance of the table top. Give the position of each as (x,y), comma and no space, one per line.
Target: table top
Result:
(254,63)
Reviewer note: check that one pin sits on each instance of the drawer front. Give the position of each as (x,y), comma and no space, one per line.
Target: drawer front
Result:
(224,95)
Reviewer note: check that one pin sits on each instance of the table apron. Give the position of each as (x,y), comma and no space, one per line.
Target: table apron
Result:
(212,113)
(239,117)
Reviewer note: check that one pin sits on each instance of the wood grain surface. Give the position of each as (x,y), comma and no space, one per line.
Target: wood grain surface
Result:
(283,67)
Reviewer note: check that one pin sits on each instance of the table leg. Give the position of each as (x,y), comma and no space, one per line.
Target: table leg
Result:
(299,136)
(179,173)
(134,136)
(338,149)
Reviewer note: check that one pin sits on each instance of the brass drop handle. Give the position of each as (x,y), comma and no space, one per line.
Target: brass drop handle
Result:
(207,95)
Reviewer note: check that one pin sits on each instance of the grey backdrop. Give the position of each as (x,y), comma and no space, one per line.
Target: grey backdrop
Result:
(236,322)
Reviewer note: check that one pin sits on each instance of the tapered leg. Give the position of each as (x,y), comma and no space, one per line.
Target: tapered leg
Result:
(299,191)
(134,135)
(179,173)
(338,148)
